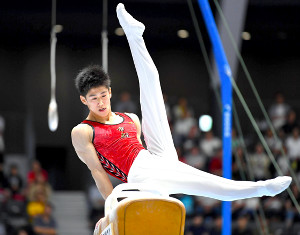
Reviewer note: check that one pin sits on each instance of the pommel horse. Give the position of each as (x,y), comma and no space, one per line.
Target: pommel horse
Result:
(141,209)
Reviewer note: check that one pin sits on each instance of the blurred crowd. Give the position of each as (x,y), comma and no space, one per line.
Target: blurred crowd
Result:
(25,207)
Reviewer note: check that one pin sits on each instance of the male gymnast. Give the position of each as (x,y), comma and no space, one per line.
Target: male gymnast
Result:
(109,142)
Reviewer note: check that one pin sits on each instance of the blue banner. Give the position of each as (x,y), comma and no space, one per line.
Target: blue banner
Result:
(226,95)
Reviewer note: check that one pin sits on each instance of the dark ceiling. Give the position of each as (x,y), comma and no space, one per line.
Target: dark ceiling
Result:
(23,23)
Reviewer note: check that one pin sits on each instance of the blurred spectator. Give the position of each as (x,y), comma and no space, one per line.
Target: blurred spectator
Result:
(210,144)
(192,138)
(274,144)
(39,185)
(15,183)
(274,208)
(217,228)
(208,207)
(293,147)
(242,227)
(195,159)
(96,205)
(182,108)
(35,171)
(125,104)
(183,125)
(283,162)
(2,229)
(278,111)
(237,208)
(251,205)
(45,224)
(16,216)
(291,213)
(243,207)
(197,227)
(260,163)
(22,232)
(239,166)
(2,146)
(215,164)
(37,205)
(236,141)
(290,123)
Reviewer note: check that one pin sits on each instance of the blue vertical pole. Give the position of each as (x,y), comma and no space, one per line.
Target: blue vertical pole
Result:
(226,94)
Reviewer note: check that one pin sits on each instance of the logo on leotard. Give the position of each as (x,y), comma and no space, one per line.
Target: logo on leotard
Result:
(121,128)
(123,134)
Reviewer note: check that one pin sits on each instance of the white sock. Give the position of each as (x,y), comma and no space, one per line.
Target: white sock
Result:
(277,185)
(130,25)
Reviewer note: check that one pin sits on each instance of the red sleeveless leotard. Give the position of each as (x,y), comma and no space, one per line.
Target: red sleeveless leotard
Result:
(116,145)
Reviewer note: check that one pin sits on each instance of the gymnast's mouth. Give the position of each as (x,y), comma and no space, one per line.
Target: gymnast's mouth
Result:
(101,110)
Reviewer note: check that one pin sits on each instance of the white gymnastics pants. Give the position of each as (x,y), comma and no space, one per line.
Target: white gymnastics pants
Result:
(159,164)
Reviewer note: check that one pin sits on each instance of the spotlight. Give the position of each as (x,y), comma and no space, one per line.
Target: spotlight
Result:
(182,33)
(119,32)
(246,36)
(58,28)
(205,123)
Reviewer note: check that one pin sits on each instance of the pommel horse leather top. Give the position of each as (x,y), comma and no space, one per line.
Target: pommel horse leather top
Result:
(141,209)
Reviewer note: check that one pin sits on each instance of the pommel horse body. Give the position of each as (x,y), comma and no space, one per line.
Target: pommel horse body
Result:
(141,209)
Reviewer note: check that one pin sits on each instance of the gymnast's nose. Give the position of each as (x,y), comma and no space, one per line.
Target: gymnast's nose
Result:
(100,103)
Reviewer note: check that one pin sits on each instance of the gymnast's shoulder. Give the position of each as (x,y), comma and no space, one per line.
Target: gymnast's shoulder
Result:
(134,117)
(81,132)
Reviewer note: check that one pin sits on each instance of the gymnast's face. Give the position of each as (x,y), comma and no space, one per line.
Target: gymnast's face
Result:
(98,101)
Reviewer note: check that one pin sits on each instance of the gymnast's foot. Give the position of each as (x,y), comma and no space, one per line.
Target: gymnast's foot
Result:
(277,185)
(130,25)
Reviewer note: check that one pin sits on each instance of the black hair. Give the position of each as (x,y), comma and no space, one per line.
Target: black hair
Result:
(90,77)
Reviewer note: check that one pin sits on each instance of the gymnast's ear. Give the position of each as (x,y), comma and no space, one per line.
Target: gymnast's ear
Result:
(83,100)
(109,92)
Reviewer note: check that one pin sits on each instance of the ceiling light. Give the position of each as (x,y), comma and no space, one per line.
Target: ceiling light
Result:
(205,123)
(182,33)
(119,32)
(58,28)
(246,36)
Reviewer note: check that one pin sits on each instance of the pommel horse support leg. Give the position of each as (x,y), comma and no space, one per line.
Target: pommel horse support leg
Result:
(141,209)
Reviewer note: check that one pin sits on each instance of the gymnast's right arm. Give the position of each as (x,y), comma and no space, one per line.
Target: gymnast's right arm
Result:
(82,141)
